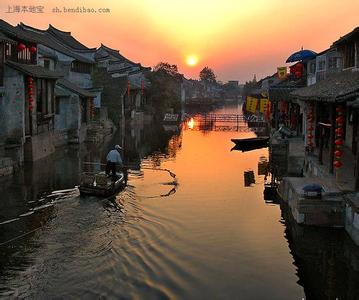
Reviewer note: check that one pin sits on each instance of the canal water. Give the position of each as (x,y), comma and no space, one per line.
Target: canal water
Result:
(208,233)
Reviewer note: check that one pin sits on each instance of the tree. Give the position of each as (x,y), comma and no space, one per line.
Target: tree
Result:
(164,67)
(207,75)
(164,93)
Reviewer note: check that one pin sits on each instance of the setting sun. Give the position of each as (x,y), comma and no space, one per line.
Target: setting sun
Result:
(192,60)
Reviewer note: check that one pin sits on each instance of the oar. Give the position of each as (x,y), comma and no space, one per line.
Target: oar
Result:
(133,167)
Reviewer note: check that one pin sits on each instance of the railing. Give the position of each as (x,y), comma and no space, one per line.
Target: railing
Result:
(232,118)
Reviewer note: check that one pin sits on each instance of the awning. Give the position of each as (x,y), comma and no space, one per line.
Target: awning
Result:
(34,70)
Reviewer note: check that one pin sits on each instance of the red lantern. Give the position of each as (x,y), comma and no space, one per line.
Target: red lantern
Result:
(310,136)
(30,92)
(339,119)
(338,153)
(310,129)
(339,130)
(32,49)
(339,109)
(339,142)
(29,86)
(337,164)
(20,47)
(30,80)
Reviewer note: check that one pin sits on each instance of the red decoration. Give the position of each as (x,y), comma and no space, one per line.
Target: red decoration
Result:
(32,49)
(339,119)
(337,163)
(128,88)
(20,47)
(338,153)
(339,142)
(339,130)
(30,92)
(310,136)
(339,109)
(310,129)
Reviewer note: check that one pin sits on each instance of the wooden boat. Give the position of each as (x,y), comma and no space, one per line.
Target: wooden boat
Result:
(250,143)
(101,185)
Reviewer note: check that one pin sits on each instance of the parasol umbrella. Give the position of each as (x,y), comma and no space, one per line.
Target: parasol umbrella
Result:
(301,55)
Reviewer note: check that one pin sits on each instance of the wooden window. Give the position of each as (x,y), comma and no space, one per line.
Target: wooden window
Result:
(80,67)
(321,65)
(45,97)
(349,55)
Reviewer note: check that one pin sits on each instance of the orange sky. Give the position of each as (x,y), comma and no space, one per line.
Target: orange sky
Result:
(236,38)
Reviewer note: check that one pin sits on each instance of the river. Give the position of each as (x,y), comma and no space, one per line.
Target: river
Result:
(207,234)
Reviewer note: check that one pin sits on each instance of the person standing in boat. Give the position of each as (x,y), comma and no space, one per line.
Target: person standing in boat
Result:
(114,159)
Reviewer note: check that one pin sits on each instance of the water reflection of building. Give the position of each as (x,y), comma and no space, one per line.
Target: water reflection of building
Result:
(142,140)
(327,260)
(263,166)
(248,178)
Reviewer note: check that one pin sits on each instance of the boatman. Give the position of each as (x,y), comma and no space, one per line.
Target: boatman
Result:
(114,158)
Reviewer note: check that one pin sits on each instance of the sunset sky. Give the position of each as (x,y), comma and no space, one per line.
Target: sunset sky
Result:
(236,38)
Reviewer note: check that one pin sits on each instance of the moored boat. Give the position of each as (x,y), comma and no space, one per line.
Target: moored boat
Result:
(248,144)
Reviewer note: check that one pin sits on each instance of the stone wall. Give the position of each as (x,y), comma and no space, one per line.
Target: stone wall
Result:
(12,106)
(39,146)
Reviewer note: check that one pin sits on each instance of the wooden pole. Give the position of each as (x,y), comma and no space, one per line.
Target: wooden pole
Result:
(321,144)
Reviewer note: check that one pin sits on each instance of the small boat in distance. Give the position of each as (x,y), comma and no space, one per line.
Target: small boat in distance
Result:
(101,185)
(171,118)
(249,144)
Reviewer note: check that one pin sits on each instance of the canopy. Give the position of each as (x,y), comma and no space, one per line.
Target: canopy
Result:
(301,55)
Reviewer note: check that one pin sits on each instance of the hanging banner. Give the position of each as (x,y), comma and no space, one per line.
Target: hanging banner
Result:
(251,104)
(263,105)
(282,72)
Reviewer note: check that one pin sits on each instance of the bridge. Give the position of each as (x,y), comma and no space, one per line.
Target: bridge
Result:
(232,118)
(228,122)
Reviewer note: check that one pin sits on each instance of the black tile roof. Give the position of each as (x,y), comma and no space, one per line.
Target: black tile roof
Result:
(333,88)
(4,38)
(34,70)
(353,34)
(74,88)
(67,39)
(46,39)
(13,32)
(104,52)
(283,89)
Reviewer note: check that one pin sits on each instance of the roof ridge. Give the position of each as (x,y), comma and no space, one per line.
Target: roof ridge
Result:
(111,49)
(51,27)
(23,26)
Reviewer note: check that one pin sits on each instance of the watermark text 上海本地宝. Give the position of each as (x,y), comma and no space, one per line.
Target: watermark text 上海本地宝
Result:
(39,9)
